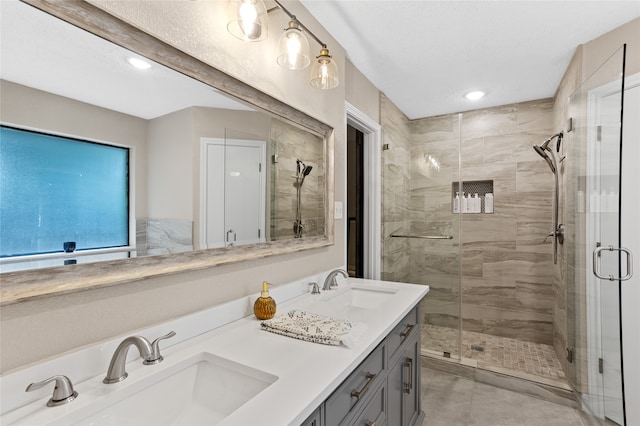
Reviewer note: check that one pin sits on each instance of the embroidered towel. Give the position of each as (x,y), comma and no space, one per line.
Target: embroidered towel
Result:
(316,328)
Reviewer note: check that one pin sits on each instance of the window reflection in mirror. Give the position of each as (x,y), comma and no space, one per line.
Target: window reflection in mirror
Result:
(165,118)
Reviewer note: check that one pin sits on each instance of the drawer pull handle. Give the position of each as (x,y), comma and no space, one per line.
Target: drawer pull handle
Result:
(365,388)
(370,424)
(409,386)
(407,330)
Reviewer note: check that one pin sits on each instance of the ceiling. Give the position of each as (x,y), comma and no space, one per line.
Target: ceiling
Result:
(425,55)
(48,54)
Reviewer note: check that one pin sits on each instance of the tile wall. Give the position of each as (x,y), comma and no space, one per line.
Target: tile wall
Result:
(163,236)
(395,191)
(290,143)
(506,267)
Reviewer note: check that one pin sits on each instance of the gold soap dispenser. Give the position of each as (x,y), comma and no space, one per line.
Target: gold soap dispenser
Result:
(265,306)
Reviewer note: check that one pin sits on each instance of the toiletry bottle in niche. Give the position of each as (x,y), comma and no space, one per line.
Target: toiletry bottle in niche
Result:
(580,202)
(265,307)
(469,203)
(612,201)
(488,202)
(463,203)
(456,203)
(476,203)
(594,202)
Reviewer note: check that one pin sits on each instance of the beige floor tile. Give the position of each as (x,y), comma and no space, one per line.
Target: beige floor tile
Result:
(450,400)
(495,351)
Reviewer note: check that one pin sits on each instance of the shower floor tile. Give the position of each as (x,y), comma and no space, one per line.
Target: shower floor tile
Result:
(495,351)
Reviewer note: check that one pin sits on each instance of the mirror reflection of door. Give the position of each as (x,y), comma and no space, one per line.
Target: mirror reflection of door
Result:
(233,192)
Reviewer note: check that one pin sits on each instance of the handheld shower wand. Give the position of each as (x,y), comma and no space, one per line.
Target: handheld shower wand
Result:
(547,153)
(302,172)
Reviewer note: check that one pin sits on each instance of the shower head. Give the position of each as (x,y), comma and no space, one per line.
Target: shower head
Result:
(545,145)
(305,173)
(541,151)
(559,141)
(548,157)
(307,170)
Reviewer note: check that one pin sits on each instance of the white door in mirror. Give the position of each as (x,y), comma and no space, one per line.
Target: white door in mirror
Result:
(234,191)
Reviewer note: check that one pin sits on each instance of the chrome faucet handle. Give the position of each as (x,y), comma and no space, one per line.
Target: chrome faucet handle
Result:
(63,392)
(314,288)
(155,357)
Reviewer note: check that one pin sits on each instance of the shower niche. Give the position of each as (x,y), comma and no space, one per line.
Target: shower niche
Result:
(475,197)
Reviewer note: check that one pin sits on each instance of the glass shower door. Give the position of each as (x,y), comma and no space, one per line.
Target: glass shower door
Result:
(594,316)
(421,231)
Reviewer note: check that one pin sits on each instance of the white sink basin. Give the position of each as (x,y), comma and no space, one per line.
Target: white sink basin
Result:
(361,296)
(201,390)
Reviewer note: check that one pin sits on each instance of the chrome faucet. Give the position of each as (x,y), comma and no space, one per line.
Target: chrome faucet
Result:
(330,281)
(149,352)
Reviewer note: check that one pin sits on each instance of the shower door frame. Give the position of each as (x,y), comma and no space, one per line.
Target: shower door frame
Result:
(629,167)
(604,393)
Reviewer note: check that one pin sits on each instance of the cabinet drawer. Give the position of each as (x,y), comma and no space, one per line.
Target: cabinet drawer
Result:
(357,388)
(400,333)
(374,413)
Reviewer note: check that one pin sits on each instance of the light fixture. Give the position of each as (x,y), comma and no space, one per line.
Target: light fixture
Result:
(139,63)
(474,95)
(248,20)
(293,47)
(324,72)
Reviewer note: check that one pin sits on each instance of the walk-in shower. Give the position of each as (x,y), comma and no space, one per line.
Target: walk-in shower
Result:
(498,309)
(546,152)
(490,304)
(302,171)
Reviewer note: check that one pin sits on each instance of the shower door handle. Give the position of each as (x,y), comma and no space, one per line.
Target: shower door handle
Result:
(596,264)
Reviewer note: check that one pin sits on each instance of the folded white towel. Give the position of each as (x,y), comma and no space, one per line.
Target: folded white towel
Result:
(316,328)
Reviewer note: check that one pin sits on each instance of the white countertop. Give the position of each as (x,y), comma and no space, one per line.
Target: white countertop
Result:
(307,373)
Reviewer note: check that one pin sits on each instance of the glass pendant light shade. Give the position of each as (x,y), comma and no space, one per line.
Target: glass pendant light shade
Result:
(324,72)
(248,20)
(293,48)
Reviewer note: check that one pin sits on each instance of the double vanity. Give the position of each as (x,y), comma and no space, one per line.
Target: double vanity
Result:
(221,368)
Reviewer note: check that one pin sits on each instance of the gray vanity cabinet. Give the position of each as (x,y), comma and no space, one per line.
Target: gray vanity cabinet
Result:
(315,419)
(384,389)
(404,384)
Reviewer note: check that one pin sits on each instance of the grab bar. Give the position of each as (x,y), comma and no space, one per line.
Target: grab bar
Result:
(424,237)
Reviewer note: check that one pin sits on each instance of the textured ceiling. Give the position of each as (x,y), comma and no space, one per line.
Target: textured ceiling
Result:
(425,55)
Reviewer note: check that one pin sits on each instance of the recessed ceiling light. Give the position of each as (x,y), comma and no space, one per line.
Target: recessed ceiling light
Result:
(139,63)
(475,95)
